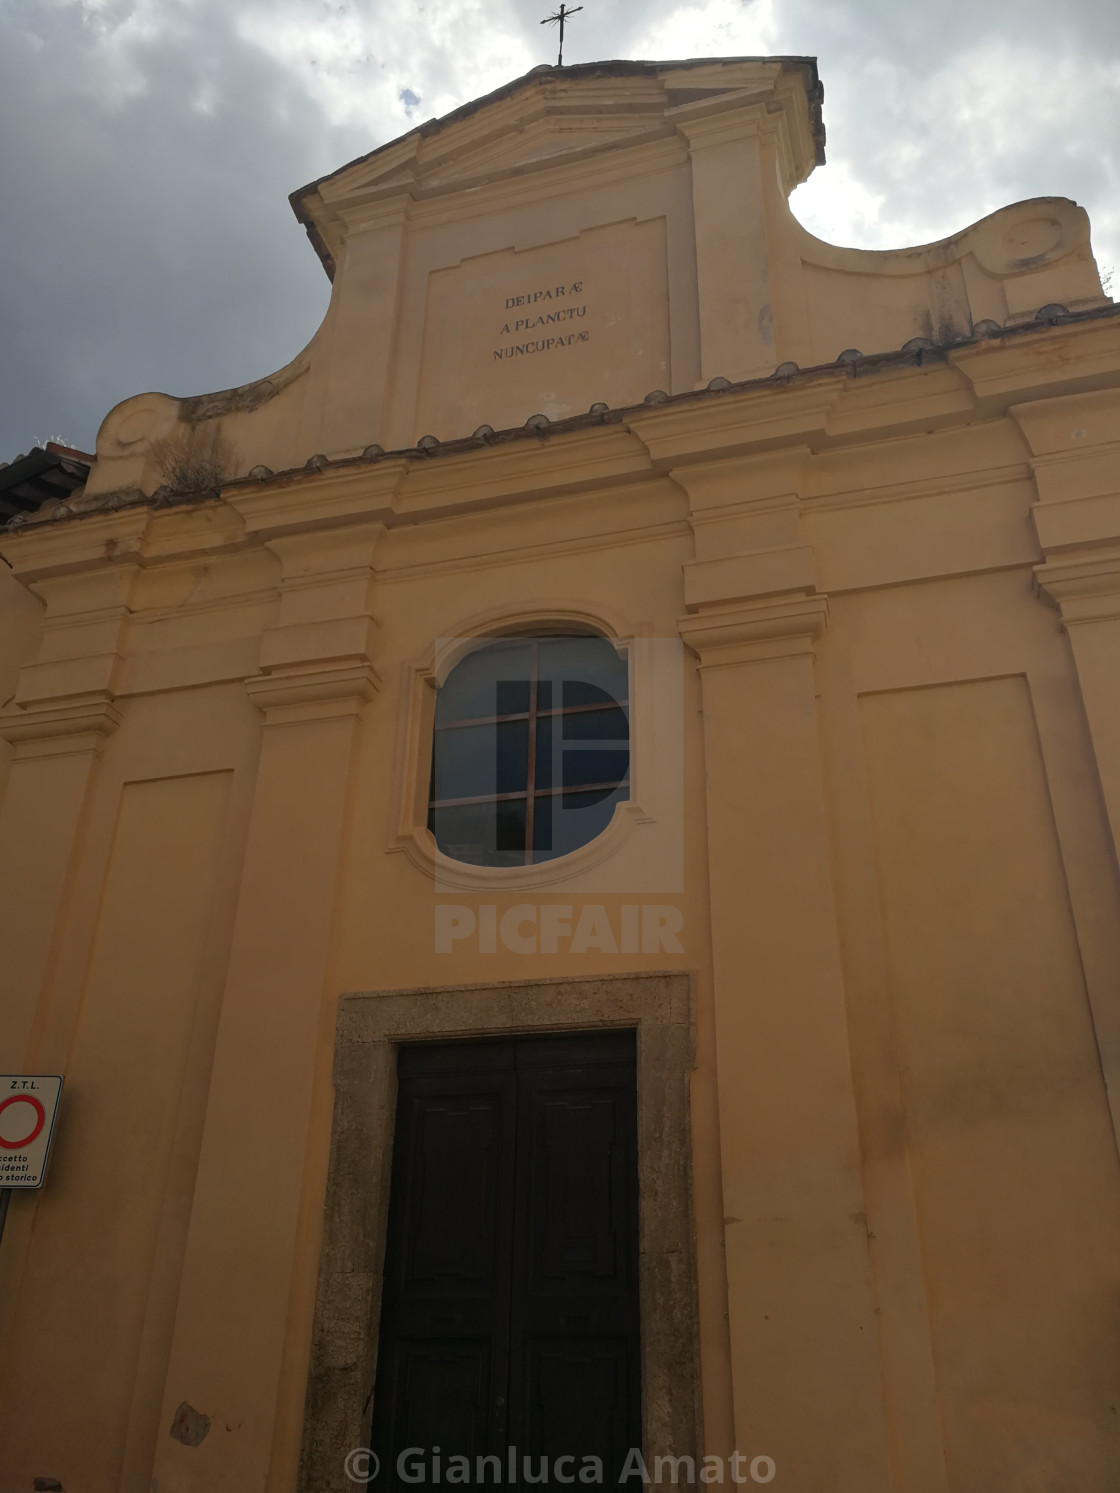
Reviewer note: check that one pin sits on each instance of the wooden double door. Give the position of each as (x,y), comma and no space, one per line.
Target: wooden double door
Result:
(510,1320)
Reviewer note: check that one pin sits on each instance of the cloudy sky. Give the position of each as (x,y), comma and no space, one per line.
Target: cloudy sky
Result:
(147,148)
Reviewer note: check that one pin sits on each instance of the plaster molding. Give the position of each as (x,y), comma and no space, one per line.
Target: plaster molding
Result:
(1029,367)
(547,132)
(773,106)
(948,484)
(726,120)
(53,729)
(756,573)
(602,167)
(303,500)
(83,542)
(389,208)
(1084,587)
(493,477)
(297,696)
(705,428)
(774,628)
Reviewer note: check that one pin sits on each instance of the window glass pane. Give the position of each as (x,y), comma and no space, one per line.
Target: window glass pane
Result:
(572,821)
(597,725)
(470,691)
(470,761)
(593,766)
(578,692)
(597,757)
(512,697)
(542,828)
(589,669)
(482,834)
(509,832)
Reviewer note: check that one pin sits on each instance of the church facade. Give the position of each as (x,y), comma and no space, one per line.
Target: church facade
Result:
(565,846)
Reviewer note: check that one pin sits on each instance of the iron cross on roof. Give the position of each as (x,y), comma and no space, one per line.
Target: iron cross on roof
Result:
(563,14)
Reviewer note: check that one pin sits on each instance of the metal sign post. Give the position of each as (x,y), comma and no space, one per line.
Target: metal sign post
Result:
(28,1106)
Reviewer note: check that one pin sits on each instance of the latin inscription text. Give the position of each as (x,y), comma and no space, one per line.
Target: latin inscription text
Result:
(536,314)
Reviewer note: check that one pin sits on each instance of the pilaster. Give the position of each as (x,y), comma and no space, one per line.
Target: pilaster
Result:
(800,1300)
(728,195)
(62,714)
(1075,450)
(249,1221)
(357,407)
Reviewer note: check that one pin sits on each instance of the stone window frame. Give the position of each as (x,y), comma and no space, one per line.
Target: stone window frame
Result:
(659,1007)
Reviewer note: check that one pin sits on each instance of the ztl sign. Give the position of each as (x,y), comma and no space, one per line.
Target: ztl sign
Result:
(28,1105)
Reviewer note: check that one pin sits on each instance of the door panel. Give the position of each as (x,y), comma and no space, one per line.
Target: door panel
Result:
(445,1396)
(577,1400)
(510,1307)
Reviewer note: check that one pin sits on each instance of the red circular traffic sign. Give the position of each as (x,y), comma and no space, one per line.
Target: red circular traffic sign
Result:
(40,1120)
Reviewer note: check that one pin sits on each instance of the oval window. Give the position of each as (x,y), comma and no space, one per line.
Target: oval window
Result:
(530,750)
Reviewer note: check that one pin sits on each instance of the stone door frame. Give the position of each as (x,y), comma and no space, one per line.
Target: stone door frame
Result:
(659,1007)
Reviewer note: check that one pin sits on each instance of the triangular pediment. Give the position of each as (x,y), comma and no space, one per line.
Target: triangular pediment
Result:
(537,122)
(538,142)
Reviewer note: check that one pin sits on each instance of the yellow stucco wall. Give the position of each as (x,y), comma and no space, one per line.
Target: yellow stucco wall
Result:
(897,582)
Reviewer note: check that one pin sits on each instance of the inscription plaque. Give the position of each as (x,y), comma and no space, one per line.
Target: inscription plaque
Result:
(548,330)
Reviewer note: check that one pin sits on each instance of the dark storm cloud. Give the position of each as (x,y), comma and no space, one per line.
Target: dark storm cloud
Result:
(147,148)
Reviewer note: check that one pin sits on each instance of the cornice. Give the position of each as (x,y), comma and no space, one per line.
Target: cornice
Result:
(941,485)
(829,406)
(578,170)
(759,418)
(1046,422)
(1039,358)
(923,397)
(404,489)
(559,462)
(600,166)
(644,98)
(314,499)
(625,535)
(64,545)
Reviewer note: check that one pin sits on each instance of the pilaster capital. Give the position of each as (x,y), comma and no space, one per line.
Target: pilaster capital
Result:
(773,102)
(1084,586)
(751,632)
(60,728)
(732,118)
(299,695)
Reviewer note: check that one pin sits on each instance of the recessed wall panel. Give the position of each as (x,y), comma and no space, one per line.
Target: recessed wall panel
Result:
(548,330)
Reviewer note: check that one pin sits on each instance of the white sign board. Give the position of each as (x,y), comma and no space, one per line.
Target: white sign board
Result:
(28,1105)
